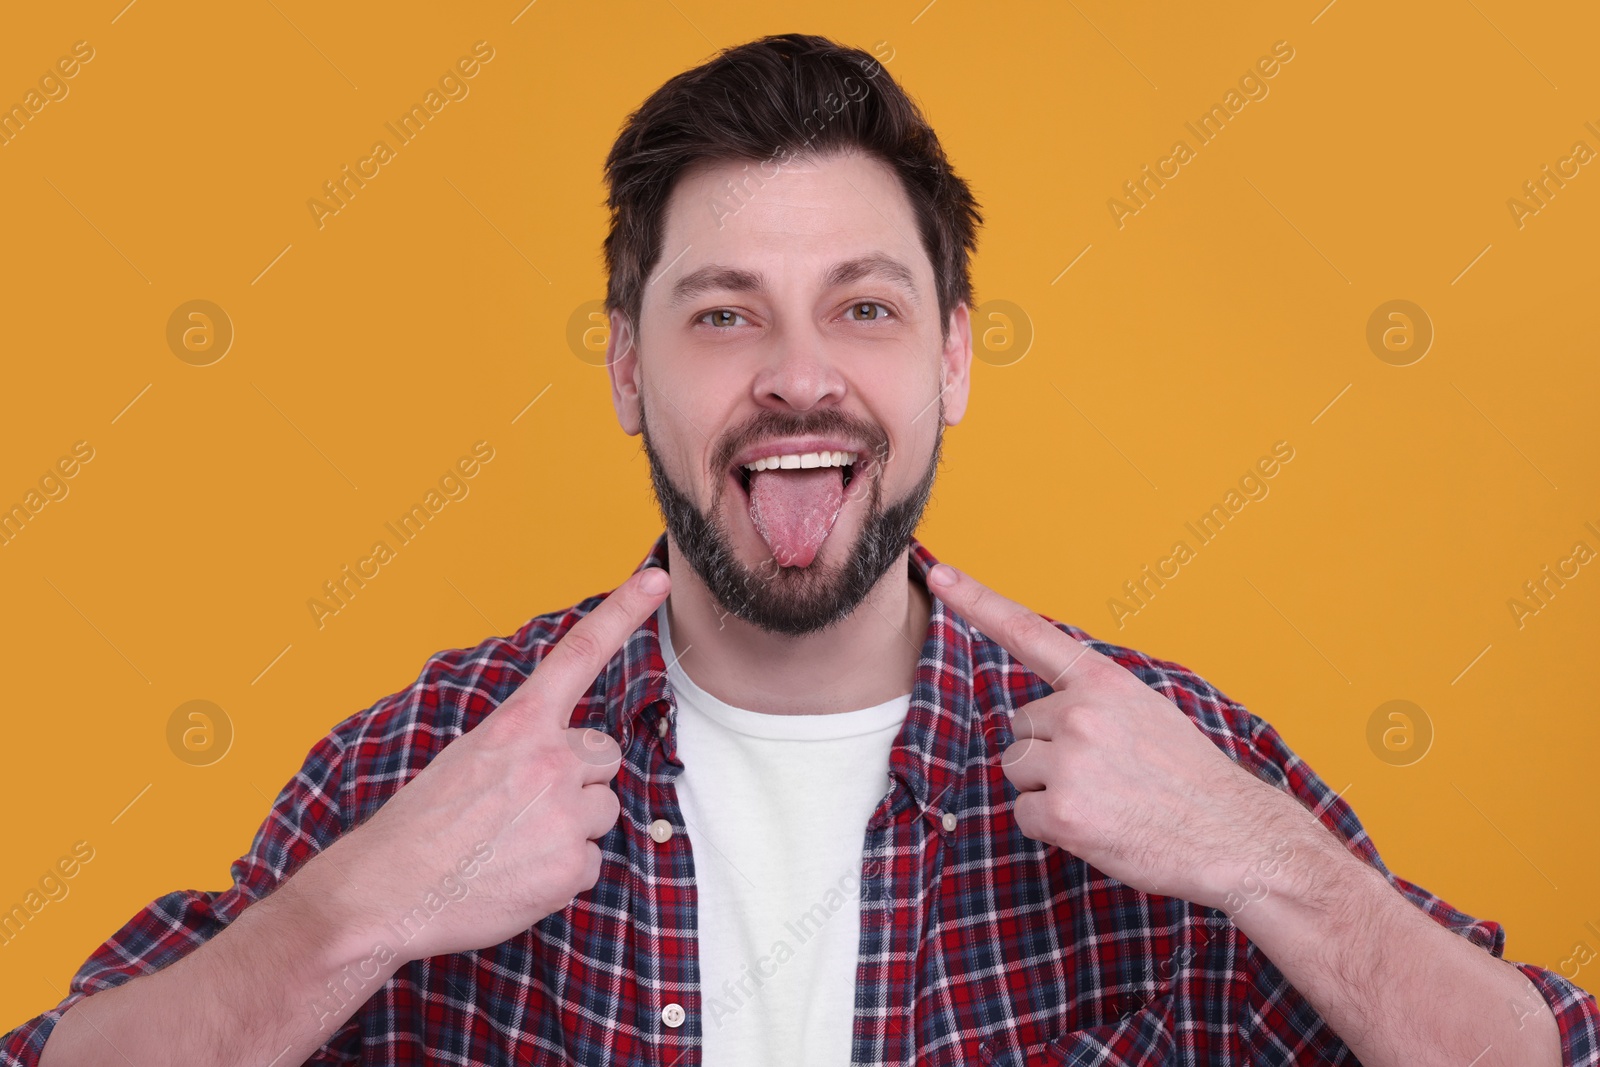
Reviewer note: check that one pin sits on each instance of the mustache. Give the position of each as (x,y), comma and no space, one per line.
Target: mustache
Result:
(771,424)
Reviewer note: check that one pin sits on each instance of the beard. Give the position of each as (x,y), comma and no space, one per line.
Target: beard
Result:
(795,600)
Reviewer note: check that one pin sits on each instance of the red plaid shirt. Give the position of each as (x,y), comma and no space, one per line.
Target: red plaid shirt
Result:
(977,945)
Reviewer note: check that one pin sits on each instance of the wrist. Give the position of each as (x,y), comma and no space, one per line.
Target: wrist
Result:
(1320,890)
(1264,850)
(342,929)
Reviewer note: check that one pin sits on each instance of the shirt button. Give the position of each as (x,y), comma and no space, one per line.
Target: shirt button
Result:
(661,726)
(661,832)
(949,820)
(672,1014)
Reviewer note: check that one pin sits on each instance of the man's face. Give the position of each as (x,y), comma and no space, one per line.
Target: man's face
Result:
(791,313)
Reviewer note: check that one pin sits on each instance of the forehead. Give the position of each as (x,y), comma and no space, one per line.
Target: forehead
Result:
(795,221)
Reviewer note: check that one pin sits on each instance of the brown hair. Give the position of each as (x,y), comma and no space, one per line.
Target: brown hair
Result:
(774,100)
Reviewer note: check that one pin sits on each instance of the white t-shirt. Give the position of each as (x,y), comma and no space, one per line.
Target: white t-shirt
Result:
(776,808)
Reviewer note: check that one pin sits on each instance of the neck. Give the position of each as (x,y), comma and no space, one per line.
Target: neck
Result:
(865,659)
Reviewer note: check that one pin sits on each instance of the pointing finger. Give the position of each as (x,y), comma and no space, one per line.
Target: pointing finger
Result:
(570,668)
(1026,634)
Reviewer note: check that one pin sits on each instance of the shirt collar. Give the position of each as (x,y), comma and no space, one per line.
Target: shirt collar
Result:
(931,749)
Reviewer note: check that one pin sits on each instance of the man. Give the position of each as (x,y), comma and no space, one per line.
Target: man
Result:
(827,802)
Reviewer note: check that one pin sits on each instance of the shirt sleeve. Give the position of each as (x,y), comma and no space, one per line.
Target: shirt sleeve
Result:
(1276,1005)
(305,818)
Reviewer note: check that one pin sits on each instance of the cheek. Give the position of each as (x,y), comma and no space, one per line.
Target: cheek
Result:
(684,430)
(911,437)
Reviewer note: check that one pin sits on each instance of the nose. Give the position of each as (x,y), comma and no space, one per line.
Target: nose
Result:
(798,372)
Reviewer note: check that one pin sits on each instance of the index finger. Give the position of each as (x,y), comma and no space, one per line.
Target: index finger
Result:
(1024,633)
(570,668)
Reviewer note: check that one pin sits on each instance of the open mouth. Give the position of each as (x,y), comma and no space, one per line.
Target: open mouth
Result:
(845,461)
(794,499)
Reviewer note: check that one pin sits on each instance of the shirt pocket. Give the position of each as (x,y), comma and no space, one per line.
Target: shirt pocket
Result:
(1143,1038)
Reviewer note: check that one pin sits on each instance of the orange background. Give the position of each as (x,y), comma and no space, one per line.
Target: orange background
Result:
(1229,313)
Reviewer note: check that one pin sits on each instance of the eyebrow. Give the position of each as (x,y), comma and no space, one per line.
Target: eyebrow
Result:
(715,277)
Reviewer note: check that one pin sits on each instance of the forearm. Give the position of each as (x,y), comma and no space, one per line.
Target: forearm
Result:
(1396,986)
(270,988)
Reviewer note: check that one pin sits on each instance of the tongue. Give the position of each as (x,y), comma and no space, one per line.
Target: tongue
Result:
(794,510)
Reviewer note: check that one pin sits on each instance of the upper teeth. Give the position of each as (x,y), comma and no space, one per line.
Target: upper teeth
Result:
(803,459)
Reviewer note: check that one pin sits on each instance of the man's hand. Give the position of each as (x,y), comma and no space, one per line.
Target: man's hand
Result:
(521,787)
(1118,775)
(1115,773)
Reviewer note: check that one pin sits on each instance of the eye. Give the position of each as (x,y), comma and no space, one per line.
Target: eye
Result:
(883,311)
(721,316)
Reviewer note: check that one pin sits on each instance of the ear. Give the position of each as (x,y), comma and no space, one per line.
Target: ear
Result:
(956,365)
(622,364)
